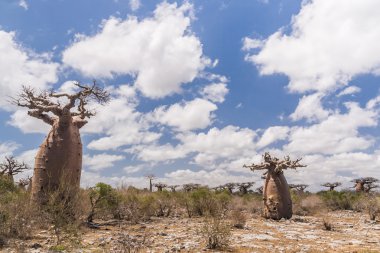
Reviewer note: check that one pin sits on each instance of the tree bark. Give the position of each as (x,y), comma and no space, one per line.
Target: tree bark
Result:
(58,160)
(276,196)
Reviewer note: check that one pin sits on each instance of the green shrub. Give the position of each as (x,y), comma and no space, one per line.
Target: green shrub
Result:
(104,201)
(344,200)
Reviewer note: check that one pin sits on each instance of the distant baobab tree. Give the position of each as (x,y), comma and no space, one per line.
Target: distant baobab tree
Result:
(151,177)
(243,187)
(22,183)
(276,195)
(230,187)
(332,186)
(173,187)
(361,184)
(259,190)
(298,187)
(190,187)
(11,167)
(160,186)
(60,155)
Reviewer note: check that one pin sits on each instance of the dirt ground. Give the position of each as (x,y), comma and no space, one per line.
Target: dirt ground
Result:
(351,232)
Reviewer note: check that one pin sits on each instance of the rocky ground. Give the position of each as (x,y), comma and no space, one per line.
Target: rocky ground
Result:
(351,232)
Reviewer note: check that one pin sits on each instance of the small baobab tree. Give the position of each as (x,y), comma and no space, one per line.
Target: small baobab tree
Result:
(298,187)
(260,189)
(23,182)
(160,186)
(230,187)
(370,186)
(150,177)
(332,186)
(190,187)
(276,195)
(11,167)
(59,158)
(243,187)
(173,187)
(361,184)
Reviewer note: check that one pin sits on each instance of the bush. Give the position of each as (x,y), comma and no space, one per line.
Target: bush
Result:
(344,200)
(216,232)
(104,200)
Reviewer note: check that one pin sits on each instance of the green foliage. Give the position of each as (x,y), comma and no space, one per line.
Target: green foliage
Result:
(344,200)
(7,185)
(104,200)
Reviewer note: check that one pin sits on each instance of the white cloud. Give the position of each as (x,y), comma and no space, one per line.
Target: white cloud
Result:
(27,124)
(273,134)
(23,4)
(215,92)
(310,108)
(249,44)
(7,148)
(336,134)
(121,124)
(161,51)
(330,42)
(156,153)
(229,142)
(19,66)
(134,4)
(349,91)
(211,178)
(190,115)
(100,161)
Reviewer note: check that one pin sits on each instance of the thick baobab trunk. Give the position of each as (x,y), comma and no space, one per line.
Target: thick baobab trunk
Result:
(276,196)
(59,159)
(359,187)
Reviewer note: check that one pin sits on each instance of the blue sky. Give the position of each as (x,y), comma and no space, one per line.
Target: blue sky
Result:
(201,87)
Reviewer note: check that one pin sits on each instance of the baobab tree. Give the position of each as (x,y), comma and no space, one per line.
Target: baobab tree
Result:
(259,190)
(368,187)
(243,187)
(23,182)
(362,183)
(59,158)
(173,187)
(276,195)
(332,186)
(11,167)
(298,187)
(190,187)
(151,177)
(230,187)
(160,186)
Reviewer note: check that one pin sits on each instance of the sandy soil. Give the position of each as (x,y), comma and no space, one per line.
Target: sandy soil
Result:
(352,232)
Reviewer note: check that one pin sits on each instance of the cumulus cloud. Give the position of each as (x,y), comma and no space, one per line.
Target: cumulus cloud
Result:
(273,134)
(185,116)
(7,148)
(100,161)
(330,42)
(349,91)
(23,4)
(215,92)
(336,134)
(226,144)
(160,51)
(310,108)
(121,123)
(19,66)
(27,124)
(249,44)
(212,178)
(134,4)
(159,153)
